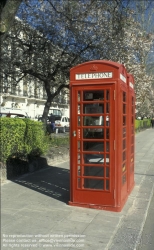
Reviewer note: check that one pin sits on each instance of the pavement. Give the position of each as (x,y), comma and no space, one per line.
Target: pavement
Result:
(35,213)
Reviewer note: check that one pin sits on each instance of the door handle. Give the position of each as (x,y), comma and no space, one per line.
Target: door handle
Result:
(74,133)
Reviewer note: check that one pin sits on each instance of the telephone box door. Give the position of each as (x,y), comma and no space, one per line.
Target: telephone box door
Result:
(92,145)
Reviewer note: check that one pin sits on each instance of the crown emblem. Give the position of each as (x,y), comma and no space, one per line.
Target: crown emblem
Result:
(93,68)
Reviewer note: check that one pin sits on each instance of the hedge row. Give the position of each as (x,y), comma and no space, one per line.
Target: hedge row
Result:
(142,124)
(24,137)
(21,137)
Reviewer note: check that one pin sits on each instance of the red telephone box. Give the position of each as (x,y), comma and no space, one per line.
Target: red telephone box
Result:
(131,131)
(98,135)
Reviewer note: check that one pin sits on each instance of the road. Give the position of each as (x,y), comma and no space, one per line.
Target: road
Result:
(147,239)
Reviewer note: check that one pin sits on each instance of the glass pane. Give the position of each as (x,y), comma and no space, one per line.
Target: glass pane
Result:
(124,156)
(93,146)
(107,159)
(79,121)
(79,170)
(93,121)
(107,146)
(107,184)
(107,95)
(124,143)
(94,158)
(79,159)
(93,95)
(94,171)
(124,167)
(124,132)
(107,121)
(79,145)
(107,172)
(107,133)
(124,120)
(79,96)
(108,108)
(93,133)
(94,108)
(124,108)
(79,109)
(94,184)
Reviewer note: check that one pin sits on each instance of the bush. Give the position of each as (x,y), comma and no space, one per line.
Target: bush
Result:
(35,140)
(12,133)
(142,124)
(21,137)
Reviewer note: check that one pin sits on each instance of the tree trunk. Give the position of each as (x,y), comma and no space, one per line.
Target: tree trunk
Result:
(7,13)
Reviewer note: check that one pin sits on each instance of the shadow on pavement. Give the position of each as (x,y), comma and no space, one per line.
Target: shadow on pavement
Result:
(52,181)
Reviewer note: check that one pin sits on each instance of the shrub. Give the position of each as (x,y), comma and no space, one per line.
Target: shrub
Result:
(21,137)
(142,124)
(12,133)
(35,140)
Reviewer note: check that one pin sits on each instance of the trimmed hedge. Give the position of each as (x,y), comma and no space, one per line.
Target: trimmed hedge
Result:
(21,137)
(142,124)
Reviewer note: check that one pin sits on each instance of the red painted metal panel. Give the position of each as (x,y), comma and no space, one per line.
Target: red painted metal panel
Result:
(99,135)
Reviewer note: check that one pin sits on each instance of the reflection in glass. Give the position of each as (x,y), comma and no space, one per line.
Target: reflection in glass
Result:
(107,159)
(93,95)
(79,170)
(93,133)
(94,171)
(79,145)
(79,109)
(79,121)
(107,120)
(79,96)
(93,146)
(93,121)
(94,158)
(124,156)
(94,184)
(124,132)
(79,159)
(94,108)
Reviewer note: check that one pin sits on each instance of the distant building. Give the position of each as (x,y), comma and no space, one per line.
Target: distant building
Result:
(29,94)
